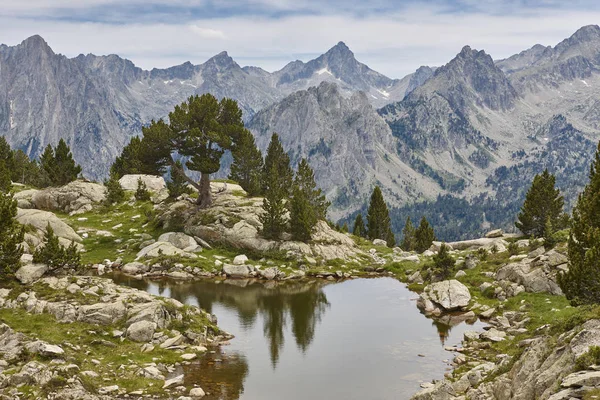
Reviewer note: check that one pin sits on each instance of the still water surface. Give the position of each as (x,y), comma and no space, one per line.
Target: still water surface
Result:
(359,339)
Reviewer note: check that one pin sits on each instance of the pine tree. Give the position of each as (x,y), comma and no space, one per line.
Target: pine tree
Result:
(549,240)
(424,236)
(200,129)
(11,236)
(274,205)
(25,170)
(114,190)
(443,262)
(142,193)
(6,154)
(302,217)
(5,181)
(359,227)
(55,255)
(378,219)
(48,166)
(131,161)
(581,284)
(66,168)
(542,202)
(305,180)
(177,185)
(277,158)
(408,233)
(247,166)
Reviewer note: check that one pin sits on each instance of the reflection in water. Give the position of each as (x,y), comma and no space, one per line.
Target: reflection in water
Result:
(360,339)
(304,303)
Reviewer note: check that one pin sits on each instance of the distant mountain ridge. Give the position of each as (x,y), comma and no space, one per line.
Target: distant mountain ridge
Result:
(471,133)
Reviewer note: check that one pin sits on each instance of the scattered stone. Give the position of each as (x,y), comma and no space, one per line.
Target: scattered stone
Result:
(240,259)
(176,381)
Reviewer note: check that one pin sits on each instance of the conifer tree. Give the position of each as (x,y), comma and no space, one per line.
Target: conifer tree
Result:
(5,181)
(177,185)
(200,129)
(424,235)
(443,262)
(247,166)
(581,284)
(378,219)
(408,233)
(66,168)
(274,205)
(305,180)
(11,235)
(55,255)
(25,170)
(6,153)
(542,202)
(114,190)
(359,227)
(277,158)
(549,240)
(142,193)
(48,166)
(131,161)
(302,217)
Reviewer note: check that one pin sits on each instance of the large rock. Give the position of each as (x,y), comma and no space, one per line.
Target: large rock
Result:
(24,198)
(179,240)
(141,331)
(44,349)
(442,390)
(485,243)
(582,378)
(237,271)
(30,273)
(102,313)
(450,295)
(134,268)
(163,248)
(40,219)
(533,279)
(75,197)
(496,233)
(153,183)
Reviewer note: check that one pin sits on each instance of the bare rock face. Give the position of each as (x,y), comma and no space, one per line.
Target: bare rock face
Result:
(450,295)
(75,198)
(40,219)
(30,273)
(157,249)
(153,183)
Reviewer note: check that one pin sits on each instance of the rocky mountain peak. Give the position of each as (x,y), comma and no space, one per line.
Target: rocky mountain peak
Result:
(585,34)
(222,61)
(36,43)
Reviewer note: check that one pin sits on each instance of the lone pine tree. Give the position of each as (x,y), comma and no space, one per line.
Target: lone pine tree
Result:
(543,202)
(378,219)
(277,158)
(581,284)
(359,227)
(408,233)
(200,129)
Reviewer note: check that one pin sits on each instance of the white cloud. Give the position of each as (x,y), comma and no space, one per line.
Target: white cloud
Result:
(207,32)
(392,43)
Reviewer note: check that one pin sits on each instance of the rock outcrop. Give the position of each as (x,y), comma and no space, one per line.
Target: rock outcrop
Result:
(438,297)
(74,198)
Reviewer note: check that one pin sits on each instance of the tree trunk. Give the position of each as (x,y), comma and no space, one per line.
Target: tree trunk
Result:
(204,195)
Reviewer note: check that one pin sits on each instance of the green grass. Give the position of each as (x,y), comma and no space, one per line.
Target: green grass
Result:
(98,247)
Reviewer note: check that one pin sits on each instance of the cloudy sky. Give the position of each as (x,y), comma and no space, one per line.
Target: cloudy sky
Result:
(393,37)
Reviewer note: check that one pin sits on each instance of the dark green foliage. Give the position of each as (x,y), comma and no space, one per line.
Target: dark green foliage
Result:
(543,202)
(178,185)
(443,263)
(200,129)
(305,180)
(378,219)
(581,284)
(549,240)
(482,254)
(247,166)
(277,158)
(359,227)
(424,235)
(58,164)
(55,255)
(114,191)
(308,204)
(26,171)
(274,205)
(302,217)
(408,236)
(345,228)
(11,235)
(132,161)
(5,181)
(142,193)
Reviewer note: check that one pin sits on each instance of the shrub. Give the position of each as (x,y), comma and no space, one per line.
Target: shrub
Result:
(142,193)
(443,262)
(513,248)
(55,255)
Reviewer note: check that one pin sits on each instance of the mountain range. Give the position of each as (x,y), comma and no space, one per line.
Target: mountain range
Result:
(473,131)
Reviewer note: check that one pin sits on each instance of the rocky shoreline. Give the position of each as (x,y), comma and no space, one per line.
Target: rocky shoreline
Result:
(110,341)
